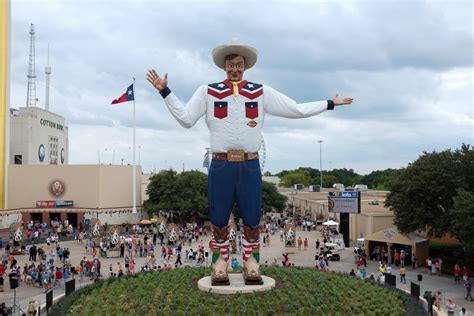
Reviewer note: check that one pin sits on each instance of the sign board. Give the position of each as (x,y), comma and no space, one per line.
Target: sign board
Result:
(344,202)
(62,203)
(54,204)
(70,286)
(415,290)
(391,279)
(49,299)
(389,234)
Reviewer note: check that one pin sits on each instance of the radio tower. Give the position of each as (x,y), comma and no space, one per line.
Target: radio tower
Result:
(31,92)
(47,71)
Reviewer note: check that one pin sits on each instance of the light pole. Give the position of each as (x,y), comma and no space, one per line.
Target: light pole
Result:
(105,154)
(139,150)
(320,162)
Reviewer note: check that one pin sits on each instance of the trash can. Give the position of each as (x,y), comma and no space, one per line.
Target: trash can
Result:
(420,277)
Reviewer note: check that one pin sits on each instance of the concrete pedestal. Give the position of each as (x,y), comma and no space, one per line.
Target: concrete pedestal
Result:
(237,285)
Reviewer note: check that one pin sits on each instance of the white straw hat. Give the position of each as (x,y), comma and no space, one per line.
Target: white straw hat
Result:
(248,52)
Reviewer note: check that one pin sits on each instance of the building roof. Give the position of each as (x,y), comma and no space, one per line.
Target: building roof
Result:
(392,235)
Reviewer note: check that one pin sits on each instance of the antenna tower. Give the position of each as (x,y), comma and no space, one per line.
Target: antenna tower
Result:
(47,71)
(31,92)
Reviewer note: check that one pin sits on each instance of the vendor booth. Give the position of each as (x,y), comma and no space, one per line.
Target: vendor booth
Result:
(393,241)
(332,223)
(331,233)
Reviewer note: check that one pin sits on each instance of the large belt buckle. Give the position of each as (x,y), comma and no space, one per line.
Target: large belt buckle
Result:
(235,155)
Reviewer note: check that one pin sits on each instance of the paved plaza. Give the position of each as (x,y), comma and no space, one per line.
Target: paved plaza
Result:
(303,258)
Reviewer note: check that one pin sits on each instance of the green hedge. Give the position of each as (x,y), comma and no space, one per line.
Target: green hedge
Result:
(299,291)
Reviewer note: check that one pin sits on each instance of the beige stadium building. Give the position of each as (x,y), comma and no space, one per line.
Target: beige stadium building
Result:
(42,186)
(38,137)
(374,216)
(72,192)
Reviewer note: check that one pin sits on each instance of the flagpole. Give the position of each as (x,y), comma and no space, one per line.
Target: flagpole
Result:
(134,186)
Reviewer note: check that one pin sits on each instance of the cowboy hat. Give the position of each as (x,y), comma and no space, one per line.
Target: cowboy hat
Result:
(220,52)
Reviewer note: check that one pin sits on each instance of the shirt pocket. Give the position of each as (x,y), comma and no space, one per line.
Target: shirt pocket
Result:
(251,110)
(220,109)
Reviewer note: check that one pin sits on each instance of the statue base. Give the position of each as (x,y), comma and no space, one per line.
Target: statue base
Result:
(237,285)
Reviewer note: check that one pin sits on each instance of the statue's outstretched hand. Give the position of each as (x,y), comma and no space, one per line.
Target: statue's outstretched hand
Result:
(157,82)
(341,101)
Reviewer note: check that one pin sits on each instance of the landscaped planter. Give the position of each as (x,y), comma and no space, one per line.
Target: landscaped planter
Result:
(298,291)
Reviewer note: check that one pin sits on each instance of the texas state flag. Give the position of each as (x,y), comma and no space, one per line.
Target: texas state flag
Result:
(127,96)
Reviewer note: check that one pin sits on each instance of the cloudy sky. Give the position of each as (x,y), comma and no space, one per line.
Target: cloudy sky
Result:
(407,64)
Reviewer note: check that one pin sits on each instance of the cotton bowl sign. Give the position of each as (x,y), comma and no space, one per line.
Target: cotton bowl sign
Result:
(344,202)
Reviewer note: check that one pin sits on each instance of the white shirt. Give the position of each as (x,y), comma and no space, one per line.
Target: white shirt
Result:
(235,115)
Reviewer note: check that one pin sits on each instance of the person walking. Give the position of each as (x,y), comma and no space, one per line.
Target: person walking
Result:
(450,307)
(468,286)
(457,274)
(403,274)
(178,260)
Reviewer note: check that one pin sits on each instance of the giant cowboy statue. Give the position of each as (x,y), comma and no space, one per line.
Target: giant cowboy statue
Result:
(235,110)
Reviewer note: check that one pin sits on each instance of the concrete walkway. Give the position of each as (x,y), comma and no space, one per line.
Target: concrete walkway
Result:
(274,251)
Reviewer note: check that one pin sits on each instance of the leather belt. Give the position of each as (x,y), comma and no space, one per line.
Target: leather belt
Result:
(235,155)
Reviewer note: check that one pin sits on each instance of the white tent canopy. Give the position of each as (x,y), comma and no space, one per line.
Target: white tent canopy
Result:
(331,223)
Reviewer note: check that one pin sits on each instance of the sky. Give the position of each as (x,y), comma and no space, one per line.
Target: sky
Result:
(407,64)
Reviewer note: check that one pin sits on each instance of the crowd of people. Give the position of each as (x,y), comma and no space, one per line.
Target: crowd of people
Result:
(145,248)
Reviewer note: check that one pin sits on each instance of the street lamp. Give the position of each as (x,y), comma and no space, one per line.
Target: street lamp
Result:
(320,162)
(139,160)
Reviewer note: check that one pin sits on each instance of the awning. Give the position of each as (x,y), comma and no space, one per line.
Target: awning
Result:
(393,236)
(331,223)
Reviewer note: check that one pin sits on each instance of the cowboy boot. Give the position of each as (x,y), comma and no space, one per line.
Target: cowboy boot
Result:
(220,258)
(251,256)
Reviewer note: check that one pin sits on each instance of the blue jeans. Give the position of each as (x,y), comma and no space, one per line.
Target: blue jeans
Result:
(231,182)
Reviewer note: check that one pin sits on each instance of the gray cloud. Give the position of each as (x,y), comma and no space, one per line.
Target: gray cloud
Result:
(408,65)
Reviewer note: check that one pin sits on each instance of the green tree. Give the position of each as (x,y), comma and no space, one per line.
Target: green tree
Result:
(185,193)
(294,177)
(161,192)
(423,194)
(345,176)
(272,200)
(329,180)
(380,179)
(463,218)
(191,193)
(267,174)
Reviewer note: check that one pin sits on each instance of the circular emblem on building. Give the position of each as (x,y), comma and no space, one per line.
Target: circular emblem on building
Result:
(57,188)
(41,152)
(63,155)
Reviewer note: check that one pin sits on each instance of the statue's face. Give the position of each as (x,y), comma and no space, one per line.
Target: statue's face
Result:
(235,68)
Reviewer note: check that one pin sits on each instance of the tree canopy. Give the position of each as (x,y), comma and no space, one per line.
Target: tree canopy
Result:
(435,193)
(186,194)
(380,179)
(272,200)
